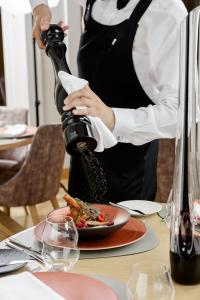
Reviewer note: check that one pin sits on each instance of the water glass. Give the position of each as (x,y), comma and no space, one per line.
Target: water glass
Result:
(150,280)
(60,243)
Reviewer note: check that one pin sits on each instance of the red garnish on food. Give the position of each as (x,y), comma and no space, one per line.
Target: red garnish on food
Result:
(82,221)
(80,225)
(101,217)
(110,223)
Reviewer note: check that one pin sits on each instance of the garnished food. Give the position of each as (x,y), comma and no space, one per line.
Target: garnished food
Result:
(85,214)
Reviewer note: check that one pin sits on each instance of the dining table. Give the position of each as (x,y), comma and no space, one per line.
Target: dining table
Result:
(8,144)
(118,268)
(16,142)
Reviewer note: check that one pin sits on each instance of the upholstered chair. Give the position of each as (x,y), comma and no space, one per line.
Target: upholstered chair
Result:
(165,168)
(38,179)
(2,91)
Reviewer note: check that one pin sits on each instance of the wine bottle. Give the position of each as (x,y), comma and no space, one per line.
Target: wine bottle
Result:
(77,129)
(184,241)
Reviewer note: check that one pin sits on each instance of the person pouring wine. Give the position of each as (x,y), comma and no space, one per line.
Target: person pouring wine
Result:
(129,54)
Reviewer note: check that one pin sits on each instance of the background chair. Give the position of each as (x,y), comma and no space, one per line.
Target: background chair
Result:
(12,160)
(2,91)
(165,169)
(38,179)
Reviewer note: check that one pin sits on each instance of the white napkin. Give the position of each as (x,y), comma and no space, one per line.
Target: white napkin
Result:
(9,131)
(104,137)
(25,286)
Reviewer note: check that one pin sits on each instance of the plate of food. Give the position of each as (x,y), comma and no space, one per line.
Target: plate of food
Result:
(92,220)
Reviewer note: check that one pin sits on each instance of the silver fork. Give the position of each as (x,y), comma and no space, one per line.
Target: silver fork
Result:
(20,244)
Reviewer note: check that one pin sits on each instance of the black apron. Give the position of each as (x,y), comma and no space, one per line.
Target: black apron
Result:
(105,60)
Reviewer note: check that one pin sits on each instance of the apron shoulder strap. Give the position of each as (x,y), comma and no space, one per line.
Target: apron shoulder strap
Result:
(88,8)
(89,3)
(139,10)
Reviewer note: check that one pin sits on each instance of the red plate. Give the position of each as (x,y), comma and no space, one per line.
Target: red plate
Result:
(73,286)
(130,233)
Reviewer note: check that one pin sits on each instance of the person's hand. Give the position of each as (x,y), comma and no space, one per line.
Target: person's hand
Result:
(42,18)
(91,105)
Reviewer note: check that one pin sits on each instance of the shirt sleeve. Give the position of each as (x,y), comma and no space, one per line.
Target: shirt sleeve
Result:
(156,45)
(35,3)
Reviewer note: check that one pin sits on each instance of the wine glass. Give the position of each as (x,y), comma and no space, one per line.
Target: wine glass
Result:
(150,280)
(60,239)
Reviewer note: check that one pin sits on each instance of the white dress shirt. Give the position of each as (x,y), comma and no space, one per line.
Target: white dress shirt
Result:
(156,61)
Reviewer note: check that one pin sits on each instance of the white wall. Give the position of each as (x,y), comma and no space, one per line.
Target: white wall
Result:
(18,78)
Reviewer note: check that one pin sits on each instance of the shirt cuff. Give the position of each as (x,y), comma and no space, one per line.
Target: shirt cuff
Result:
(123,123)
(35,3)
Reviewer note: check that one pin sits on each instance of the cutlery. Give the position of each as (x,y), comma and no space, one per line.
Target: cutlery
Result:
(20,244)
(29,252)
(122,206)
(15,262)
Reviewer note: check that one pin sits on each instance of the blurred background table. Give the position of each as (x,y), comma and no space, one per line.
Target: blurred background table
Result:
(12,143)
(7,144)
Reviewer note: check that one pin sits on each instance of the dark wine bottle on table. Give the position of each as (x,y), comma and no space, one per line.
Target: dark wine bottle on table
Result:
(184,240)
